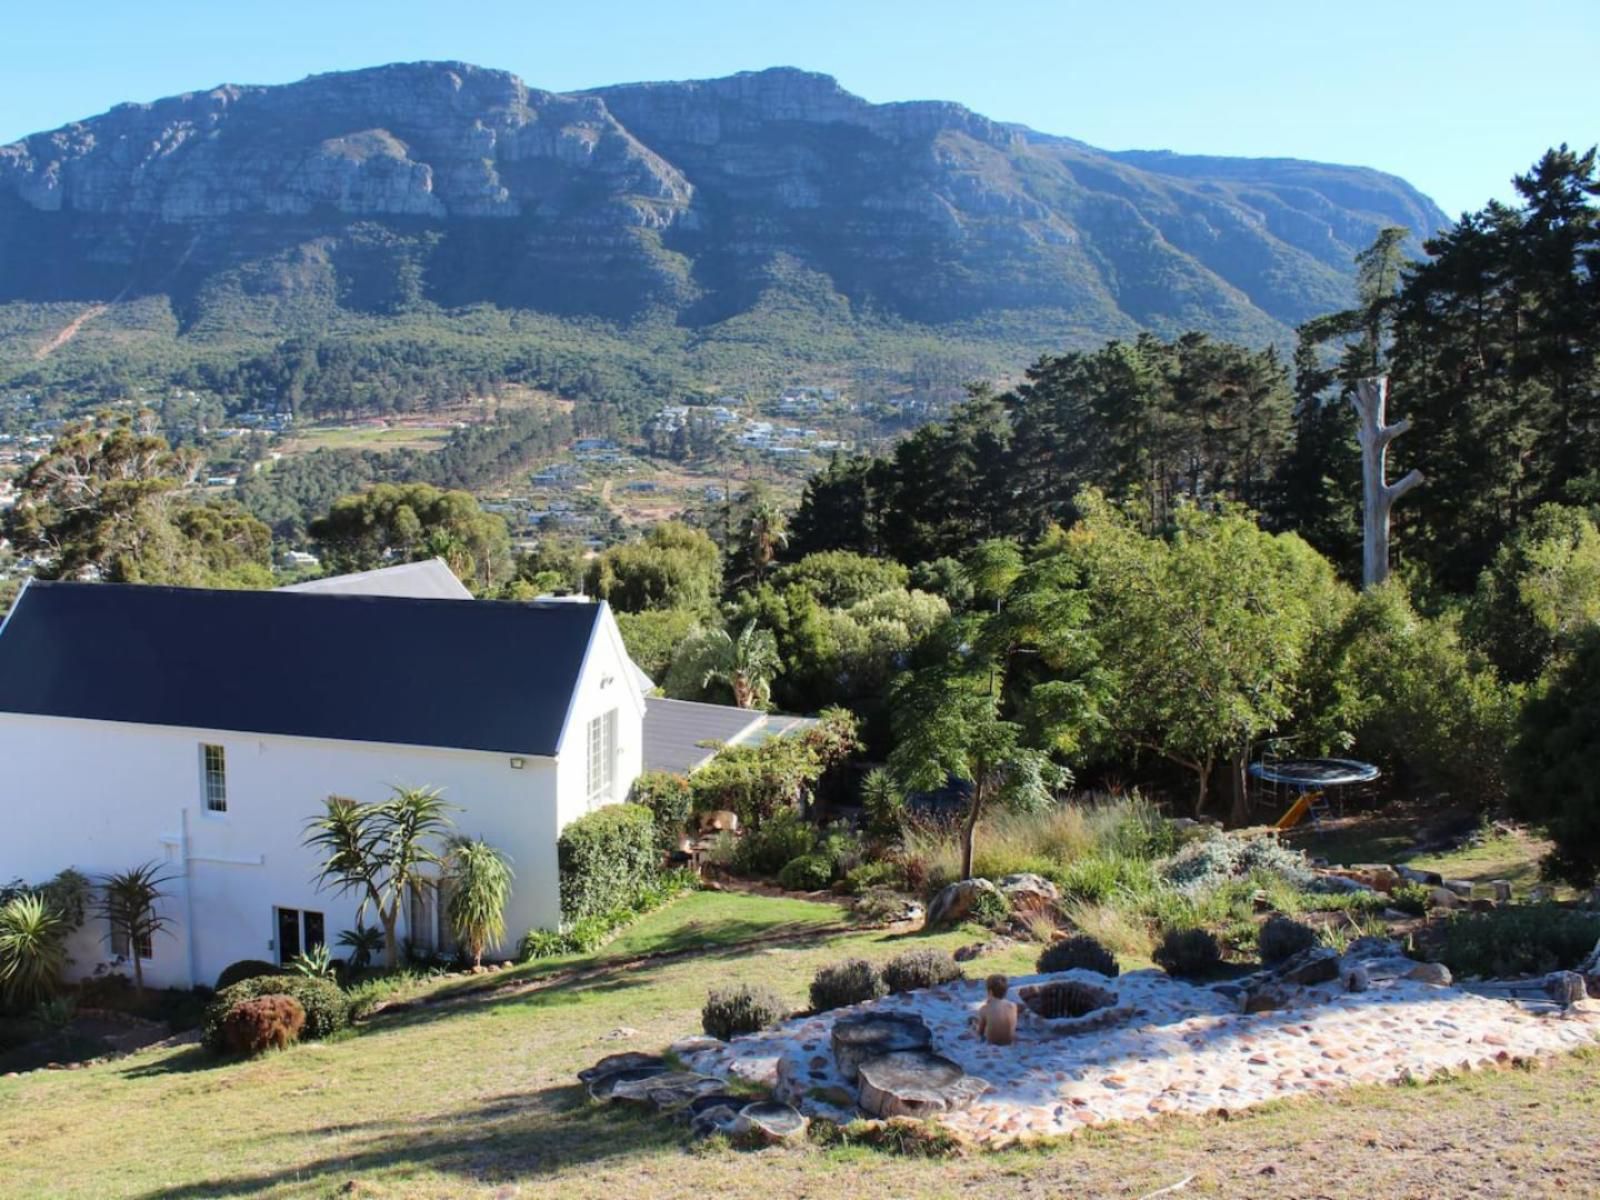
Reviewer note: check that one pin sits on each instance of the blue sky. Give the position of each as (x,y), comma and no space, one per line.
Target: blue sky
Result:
(1454,96)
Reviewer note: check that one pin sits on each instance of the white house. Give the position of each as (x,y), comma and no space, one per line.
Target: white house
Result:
(203,729)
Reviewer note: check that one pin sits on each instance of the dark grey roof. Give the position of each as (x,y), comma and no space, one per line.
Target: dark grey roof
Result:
(674,729)
(430,579)
(489,675)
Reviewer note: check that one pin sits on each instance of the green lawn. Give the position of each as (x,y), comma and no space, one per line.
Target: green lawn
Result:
(477,1098)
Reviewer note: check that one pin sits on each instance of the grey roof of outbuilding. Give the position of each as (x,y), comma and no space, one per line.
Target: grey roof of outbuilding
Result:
(431,579)
(676,731)
(491,675)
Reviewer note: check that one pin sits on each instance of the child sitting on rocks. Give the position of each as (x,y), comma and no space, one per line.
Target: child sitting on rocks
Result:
(997,1019)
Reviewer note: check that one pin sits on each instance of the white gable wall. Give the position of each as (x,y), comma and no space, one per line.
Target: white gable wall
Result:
(608,681)
(104,796)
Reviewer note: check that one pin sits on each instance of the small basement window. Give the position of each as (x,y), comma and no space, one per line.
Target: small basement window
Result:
(215,762)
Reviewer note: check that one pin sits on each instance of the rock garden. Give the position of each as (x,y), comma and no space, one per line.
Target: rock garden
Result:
(1092,1049)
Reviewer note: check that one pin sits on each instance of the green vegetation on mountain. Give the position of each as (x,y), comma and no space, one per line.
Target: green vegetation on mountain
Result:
(380,240)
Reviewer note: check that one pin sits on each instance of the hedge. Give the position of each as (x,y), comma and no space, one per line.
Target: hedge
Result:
(605,858)
(327,1008)
(669,799)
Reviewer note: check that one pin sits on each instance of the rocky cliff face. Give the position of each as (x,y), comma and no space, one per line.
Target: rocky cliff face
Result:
(453,184)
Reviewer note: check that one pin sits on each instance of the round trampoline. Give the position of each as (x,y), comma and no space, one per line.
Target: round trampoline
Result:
(1311,780)
(1308,774)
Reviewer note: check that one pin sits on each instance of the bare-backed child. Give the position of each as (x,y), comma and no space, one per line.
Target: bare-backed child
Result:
(997,1019)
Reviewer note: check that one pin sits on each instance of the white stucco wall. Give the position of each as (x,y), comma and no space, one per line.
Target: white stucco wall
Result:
(608,681)
(102,797)
(105,796)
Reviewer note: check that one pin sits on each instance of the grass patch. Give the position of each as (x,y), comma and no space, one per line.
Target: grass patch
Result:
(473,1099)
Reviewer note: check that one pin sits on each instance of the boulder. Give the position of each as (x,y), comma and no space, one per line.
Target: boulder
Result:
(1433,973)
(955,901)
(1030,893)
(917,1084)
(716,1112)
(1314,964)
(869,1035)
(1566,988)
(972,950)
(1461,887)
(769,1121)
(602,1087)
(1502,890)
(631,1060)
(666,1091)
(1265,997)
(1368,946)
(1426,878)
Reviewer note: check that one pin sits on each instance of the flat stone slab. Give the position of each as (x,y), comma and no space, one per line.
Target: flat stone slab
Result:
(1183,1049)
(916,1083)
(870,1034)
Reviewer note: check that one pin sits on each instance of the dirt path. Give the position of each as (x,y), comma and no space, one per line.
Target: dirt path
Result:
(68,331)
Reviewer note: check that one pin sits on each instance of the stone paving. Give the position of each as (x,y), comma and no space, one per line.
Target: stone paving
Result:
(1184,1049)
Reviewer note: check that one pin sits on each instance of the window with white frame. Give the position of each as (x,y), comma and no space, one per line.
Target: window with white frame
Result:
(602,757)
(214,762)
(119,945)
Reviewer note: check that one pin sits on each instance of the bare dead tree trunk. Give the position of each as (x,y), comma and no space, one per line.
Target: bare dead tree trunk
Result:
(1378,496)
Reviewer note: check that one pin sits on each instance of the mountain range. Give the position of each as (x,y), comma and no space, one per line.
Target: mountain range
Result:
(769,206)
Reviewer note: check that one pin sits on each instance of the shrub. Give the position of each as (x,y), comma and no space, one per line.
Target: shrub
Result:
(1187,952)
(731,1011)
(879,906)
(780,839)
(326,1009)
(1080,953)
(883,804)
(1411,898)
(1527,940)
(1282,937)
(541,943)
(315,963)
(33,949)
(604,858)
(846,983)
(267,1022)
(248,968)
(1218,859)
(990,908)
(920,969)
(1553,777)
(670,801)
(880,873)
(363,943)
(808,873)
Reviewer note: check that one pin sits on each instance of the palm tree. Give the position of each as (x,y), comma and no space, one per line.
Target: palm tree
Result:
(381,850)
(478,880)
(33,949)
(128,904)
(764,534)
(746,663)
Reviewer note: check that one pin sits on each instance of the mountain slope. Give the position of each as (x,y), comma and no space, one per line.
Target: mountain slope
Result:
(429,188)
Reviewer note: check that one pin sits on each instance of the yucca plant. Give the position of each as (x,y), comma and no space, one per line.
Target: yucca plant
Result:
(383,852)
(315,963)
(478,881)
(33,949)
(363,942)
